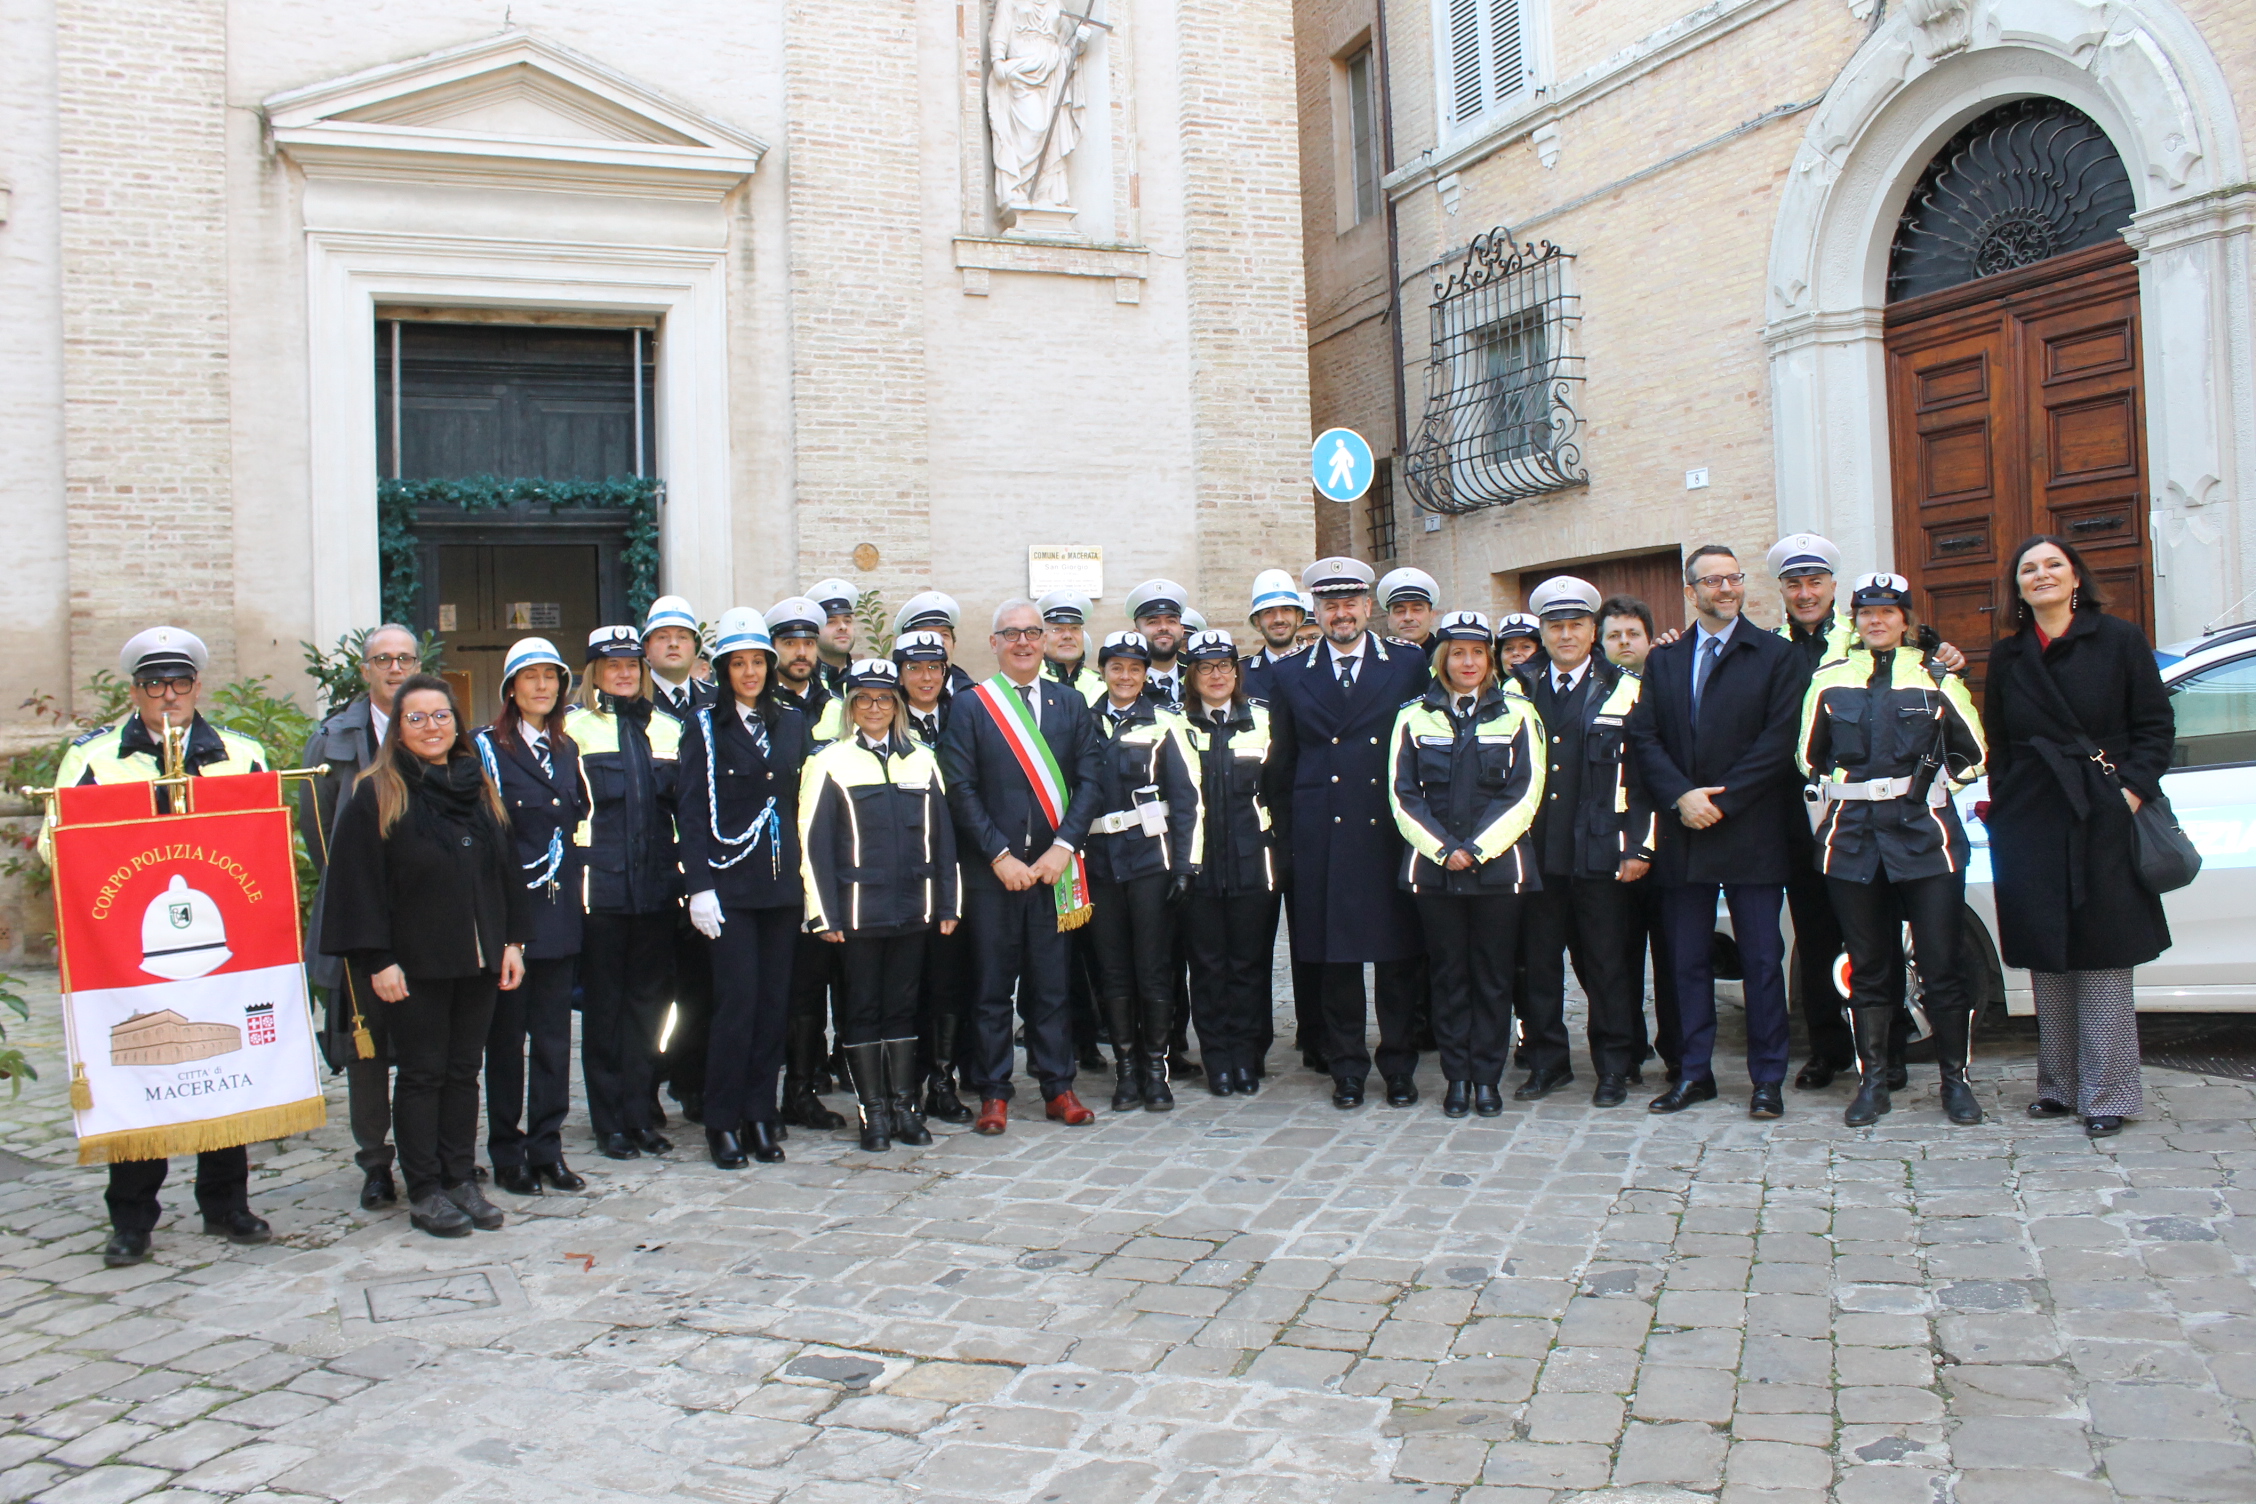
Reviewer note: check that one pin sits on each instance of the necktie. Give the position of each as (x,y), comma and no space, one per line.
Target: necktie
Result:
(1464,705)
(1026,693)
(1566,682)
(540,750)
(1702,666)
(1347,674)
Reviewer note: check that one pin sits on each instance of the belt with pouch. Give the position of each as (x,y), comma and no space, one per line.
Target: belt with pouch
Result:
(1878,790)
(1130,819)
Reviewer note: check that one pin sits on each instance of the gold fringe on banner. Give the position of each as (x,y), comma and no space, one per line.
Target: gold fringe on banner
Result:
(1073,919)
(255,1127)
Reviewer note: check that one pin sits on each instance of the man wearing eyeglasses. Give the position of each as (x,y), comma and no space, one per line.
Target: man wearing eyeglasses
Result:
(165,666)
(347,742)
(1714,737)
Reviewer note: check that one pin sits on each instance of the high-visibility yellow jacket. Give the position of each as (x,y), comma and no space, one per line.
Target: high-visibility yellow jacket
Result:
(1864,734)
(1467,783)
(877,848)
(126,752)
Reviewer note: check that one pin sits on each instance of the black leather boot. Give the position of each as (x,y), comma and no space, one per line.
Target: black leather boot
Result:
(1127,1077)
(940,1099)
(1954,1043)
(1155,1017)
(901,1092)
(802,1059)
(866,1064)
(1870,1026)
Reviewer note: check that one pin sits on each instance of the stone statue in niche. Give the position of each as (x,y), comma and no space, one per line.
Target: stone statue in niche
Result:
(1035,101)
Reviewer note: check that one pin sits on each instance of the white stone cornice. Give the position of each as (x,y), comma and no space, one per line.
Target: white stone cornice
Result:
(1801,330)
(2205,216)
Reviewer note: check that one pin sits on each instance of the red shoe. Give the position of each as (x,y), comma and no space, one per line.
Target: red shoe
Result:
(994,1114)
(1066,1108)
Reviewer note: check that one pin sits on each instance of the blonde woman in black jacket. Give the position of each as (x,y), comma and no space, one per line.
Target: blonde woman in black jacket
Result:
(421,901)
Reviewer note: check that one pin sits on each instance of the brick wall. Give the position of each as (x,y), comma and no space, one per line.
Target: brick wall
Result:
(858,367)
(144,237)
(1247,321)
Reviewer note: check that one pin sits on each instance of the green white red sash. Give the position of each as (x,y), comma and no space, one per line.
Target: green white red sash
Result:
(1015,719)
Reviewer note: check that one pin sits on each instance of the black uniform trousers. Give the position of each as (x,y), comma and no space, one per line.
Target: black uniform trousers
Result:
(1817,940)
(1470,945)
(813,971)
(1084,978)
(1345,1049)
(683,1067)
(1595,920)
(944,996)
(1231,941)
(883,974)
(1134,940)
(1871,914)
(1017,950)
(439,1035)
(536,1014)
(626,980)
(753,961)
(1653,940)
(223,1178)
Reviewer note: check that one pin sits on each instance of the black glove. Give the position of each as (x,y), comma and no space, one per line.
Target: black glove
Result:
(1178,890)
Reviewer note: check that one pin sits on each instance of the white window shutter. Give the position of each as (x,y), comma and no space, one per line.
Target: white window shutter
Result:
(1507,49)
(1468,72)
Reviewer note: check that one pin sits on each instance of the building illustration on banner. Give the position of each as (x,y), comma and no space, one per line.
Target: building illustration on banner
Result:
(167,1038)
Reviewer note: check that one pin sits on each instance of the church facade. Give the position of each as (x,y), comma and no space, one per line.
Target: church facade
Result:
(1608,281)
(506,323)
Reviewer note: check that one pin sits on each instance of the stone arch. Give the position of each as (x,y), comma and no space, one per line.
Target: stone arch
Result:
(2144,74)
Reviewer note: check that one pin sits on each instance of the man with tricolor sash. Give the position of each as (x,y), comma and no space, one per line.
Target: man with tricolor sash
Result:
(1022,760)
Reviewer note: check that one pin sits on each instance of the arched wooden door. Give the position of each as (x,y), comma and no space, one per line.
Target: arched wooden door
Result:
(2015,390)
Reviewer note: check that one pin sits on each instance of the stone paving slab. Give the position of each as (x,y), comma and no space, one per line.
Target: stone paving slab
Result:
(1242,1301)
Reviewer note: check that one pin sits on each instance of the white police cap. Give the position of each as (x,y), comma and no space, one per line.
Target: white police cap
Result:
(1156,598)
(1124,645)
(835,596)
(920,647)
(1462,626)
(669,611)
(1307,604)
(1272,587)
(1337,576)
(1408,584)
(1065,608)
(928,610)
(740,628)
(172,648)
(614,642)
(795,616)
(872,673)
(1564,595)
(1194,618)
(1518,624)
(1205,646)
(1802,553)
(1880,590)
(527,651)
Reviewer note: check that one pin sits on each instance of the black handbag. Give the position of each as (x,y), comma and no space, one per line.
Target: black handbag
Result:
(2167,860)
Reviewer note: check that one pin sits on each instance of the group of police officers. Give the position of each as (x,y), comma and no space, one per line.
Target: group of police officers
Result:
(1129,825)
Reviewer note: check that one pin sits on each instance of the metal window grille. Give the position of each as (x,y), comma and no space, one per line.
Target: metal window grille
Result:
(1378,512)
(1363,135)
(1488,60)
(1500,423)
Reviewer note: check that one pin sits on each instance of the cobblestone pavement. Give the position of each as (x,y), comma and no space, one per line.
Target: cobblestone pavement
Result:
(1244,1300)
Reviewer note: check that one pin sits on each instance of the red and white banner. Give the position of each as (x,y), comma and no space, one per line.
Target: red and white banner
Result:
(184,994)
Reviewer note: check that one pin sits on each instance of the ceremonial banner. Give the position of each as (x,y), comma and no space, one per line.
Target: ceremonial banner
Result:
(184,994)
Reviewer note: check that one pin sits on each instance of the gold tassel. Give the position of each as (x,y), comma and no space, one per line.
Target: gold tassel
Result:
(254,1127)
(82,1090)
(1076,918)
(364,1042)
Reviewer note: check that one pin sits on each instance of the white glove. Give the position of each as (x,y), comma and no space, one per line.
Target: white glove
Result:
(705,913)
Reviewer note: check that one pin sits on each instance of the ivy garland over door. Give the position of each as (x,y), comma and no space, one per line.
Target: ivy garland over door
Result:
(398,501)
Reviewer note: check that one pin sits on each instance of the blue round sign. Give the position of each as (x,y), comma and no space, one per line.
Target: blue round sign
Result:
(1341,465)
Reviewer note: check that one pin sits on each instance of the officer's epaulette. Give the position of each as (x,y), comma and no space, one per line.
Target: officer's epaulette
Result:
(98,731)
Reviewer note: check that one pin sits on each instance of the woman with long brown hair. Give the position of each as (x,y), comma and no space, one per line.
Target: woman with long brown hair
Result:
(421,905)
(2080,731)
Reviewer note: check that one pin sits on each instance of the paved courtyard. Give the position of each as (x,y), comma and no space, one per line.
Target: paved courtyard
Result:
(1246,1300)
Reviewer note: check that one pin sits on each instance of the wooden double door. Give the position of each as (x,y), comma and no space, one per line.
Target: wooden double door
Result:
(2016,406)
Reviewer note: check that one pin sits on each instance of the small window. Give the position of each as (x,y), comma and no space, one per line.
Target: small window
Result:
(1378,512)
(1363,136)
(1487,55)
(2216,710)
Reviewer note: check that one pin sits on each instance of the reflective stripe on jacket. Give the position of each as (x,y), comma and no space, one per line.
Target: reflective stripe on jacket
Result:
(1466,784)
(1617,822)
(877,848)
(1855,729)
(1234,846)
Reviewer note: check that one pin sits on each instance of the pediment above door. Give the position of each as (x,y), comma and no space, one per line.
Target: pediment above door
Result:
(511,110)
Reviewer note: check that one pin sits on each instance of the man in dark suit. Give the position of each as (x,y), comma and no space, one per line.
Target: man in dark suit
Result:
(1332,715)
(1589,841)
(1014,854)
(1714,736)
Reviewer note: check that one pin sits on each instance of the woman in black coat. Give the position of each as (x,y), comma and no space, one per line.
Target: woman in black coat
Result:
(420,901)
(739,835)
(537,768)
(2080,730)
